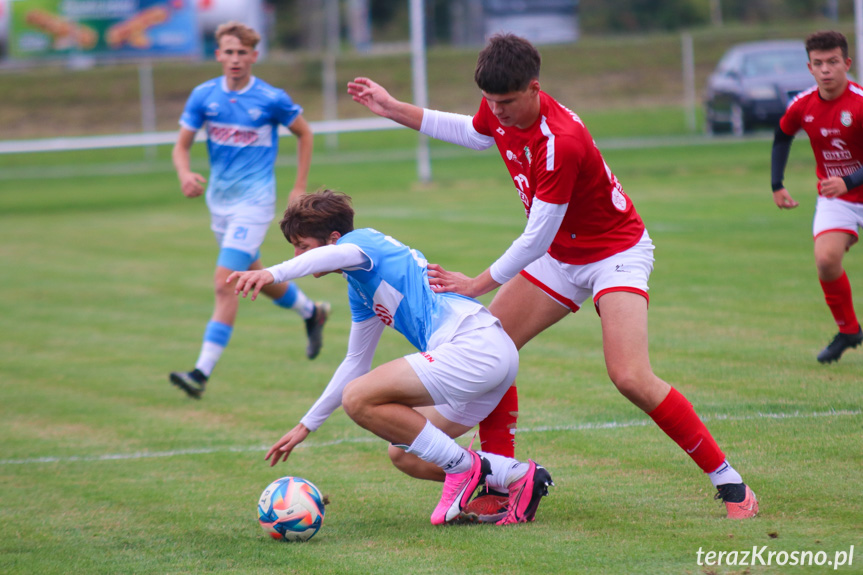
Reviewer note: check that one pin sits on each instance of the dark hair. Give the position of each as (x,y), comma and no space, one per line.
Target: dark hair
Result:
(827,40)
(508,63)
(317,215)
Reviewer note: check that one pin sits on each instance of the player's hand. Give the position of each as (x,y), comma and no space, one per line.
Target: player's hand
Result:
(250,281)
(283,447)
(442,280)
(783,200)
(192,184)
(832,187)
(296,193)
(371,95)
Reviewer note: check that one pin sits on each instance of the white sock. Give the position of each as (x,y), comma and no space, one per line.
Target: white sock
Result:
(303,305)
(209,357)
(724,474)
(435,446)
(504,471)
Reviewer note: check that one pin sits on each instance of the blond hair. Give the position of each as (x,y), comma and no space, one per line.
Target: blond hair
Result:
(247,36)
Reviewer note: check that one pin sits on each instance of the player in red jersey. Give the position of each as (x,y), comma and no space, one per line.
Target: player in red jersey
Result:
(583,240)
(831,113)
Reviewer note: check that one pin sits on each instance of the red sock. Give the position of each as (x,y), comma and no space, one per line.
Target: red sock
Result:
(837,294)
(497,431)
(677,418)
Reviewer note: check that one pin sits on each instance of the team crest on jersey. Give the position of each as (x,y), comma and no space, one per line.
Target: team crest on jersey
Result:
(255,113)
(528,156)
(618,199)
(845,118)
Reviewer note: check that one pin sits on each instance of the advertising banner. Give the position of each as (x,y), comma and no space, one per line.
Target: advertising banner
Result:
(103,28)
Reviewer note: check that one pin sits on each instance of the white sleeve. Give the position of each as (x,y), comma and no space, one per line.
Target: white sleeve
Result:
(362,343)
(318,260)
(454,128)
(542,226)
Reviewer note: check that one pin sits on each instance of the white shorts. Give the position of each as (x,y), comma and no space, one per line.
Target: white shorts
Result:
(468,375)
(238,233)
(835,215)
(571,285)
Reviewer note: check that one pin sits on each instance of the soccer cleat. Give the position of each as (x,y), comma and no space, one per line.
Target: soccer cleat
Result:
(192,382)
(488,506)
(315,329)
(526,493)
(740,501)
(457,489)
(840,343)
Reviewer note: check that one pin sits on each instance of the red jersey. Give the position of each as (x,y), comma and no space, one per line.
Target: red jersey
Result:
(556,160)
(835,130)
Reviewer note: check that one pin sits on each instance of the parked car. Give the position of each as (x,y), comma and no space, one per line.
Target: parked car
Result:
(753,83)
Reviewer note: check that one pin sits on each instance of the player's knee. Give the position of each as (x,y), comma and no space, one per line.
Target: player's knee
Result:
(223,290)
(640,386)
(627,379)
(354,402)
(399,457)
(829,268)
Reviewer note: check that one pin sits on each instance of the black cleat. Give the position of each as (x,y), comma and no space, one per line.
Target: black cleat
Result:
(840,343)
(315,329)
(192,382)
(740,501)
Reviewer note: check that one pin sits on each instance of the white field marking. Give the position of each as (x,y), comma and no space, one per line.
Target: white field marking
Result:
(335,158)
(541,429)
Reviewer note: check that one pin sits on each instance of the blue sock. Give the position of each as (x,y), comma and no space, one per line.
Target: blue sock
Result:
(289,298)
(216,338)
(218,333)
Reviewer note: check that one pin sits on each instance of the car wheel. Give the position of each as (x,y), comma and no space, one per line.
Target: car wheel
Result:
(711,126)
(738,122)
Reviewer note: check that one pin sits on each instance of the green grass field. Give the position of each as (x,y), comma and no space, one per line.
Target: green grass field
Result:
(106,468)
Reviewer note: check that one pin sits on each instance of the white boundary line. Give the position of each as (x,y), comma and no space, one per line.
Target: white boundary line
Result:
(163,138)
(542,429)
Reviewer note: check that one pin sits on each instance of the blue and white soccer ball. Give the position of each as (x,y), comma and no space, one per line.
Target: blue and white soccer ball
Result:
(291,509)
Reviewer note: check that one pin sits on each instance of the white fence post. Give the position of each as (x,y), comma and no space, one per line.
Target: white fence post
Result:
(148,104)
(688,80)
(420,85)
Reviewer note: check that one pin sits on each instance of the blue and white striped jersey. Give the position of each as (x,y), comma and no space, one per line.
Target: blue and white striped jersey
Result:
(242,138)
(394,287)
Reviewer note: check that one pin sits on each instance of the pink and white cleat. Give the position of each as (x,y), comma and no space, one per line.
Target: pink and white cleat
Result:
(526,493)
(458,488)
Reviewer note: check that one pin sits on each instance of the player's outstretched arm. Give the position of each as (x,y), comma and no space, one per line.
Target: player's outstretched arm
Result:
(374,97)
(301,129)
(191,183)
(783,199)
(283,447)
(442,280)
(250,281)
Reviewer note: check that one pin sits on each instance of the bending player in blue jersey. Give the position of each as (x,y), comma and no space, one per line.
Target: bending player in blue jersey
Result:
(241,115)
(419,402)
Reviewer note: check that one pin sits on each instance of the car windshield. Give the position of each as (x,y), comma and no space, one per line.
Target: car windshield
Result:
(775,63)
